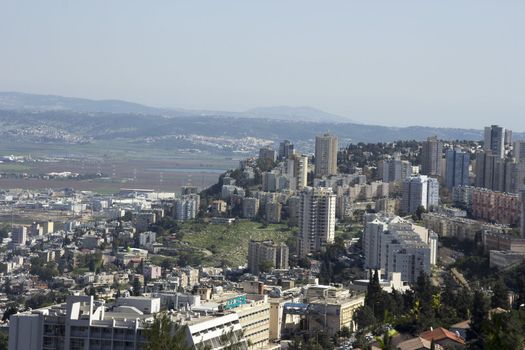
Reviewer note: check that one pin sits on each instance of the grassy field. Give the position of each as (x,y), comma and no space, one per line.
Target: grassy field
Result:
(14,167)
(229,243)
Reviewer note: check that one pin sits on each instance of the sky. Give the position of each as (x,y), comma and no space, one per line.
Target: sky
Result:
(443,63)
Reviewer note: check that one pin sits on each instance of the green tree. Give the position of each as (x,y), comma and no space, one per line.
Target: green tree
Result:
(478,321)
(364,317)
(500,295)
(137,287)
(266,266)
(164,334)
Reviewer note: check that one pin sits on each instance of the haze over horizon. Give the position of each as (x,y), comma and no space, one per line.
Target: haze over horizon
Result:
(443,64)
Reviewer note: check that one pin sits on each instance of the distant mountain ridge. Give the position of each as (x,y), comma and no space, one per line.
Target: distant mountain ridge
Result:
(47,118)
(35,102)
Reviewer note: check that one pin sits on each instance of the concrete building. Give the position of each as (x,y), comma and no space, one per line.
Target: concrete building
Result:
(391,170)
(146,239)
(296,167)
(219,207)
(496,207)
(519,151)
(392,244)
(316,219)
(457,227)
(490,171)
(254,318)
(331,308)
(495,140)
(286,149)
(250,207)
(260,252)
(523,212)
(19,236)
(152,272)
(462,197)
(81,323)
(272,212)
(326,148)
(186,207)
(387,205)
(267,153)
(457,168)
(431,155)
(419,191)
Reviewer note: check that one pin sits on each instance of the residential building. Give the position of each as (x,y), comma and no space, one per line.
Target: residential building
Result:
(431,155)
(519,151)
(272,212)
(457,168)
(296,167)
(286,149)
(490,171)
(393,244)
(419,191)
(19,236)
(326,148)
(260,252)
(266,153)
(316,219)
(523,212)
(495,140)
(186,207)
(391,170)
(496,207)
(457,227)
(250,207)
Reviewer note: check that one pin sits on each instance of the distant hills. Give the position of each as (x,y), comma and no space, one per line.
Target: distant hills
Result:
(47,118)
(34,102)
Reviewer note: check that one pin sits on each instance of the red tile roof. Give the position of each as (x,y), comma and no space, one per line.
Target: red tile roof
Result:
(440,334)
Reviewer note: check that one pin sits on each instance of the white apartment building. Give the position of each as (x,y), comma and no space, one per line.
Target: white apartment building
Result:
(316,219)
(186,207)
(392,244)
(419,191)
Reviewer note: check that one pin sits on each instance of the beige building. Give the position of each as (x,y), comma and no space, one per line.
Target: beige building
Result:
(316,219)
(218,207)
(297,168)
(331,309)
(260,252)
(326,155)
(254,318)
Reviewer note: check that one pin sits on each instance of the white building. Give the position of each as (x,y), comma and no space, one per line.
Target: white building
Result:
(393,244)
(316,219)
(186,207)
(83,323)
(419,191)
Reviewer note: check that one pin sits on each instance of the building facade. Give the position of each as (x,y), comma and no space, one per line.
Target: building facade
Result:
(431,155)
(261,252)
(316,219)
(419,191)
(457,168)
(326,155)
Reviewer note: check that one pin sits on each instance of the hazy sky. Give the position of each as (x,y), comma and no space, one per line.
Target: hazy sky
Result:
(439,63)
